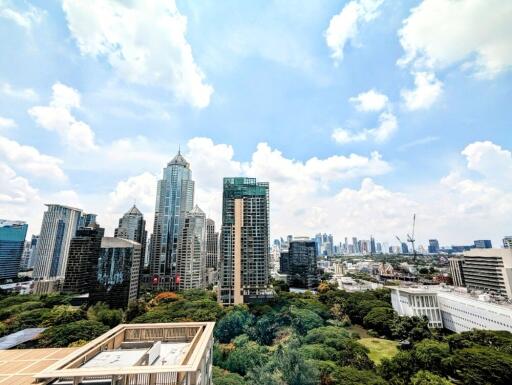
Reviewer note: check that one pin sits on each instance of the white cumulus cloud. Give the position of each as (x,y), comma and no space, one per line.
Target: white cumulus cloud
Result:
(144,41)
(29,159)
(57,117)
(343,27)
(428,88)
(24,18)
(387,126)
(7,123)
(438,34)
(19,93)
(370,100)
(13,188)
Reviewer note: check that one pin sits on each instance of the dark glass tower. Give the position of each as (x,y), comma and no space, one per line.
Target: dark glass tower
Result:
(84,251)
(244,257)
(302,267)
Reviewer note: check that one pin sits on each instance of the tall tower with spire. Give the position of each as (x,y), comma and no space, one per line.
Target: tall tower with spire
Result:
(175,196)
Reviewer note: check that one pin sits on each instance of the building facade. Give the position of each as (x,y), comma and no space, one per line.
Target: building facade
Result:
(457,271)
(175,196)
(212,245)
(483,244)
(117,272)
(507,242)
(84,251)
(132,226)
(302,264)
(58,228)
(433,246)
(191,252)
(454,310)
(489,270)
(33,252)
(12,243)
(244,257)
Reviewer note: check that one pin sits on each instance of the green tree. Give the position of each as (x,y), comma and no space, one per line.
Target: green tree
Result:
(246,355)
(351,376)
(135,308)
(232,324)
(63,314)
(224,377)
(63,335)
(304,320)
(380,319)
(424,377)
(399,369)
(482,365)
(265,329)
(430,355)
(102,313)
(500,340)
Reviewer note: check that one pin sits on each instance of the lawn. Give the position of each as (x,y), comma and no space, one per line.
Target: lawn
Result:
(379,348)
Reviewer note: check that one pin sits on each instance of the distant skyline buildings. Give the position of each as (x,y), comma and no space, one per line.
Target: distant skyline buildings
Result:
(132,226)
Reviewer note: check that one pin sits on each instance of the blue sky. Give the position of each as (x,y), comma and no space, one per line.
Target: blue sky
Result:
(359,113)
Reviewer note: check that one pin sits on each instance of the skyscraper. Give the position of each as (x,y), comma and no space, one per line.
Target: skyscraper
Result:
(373,248)
(132,226)
(86,220)
(191,252)
(244,258)
(59,226)
(212,245)
(117,272)
(12,241)
(302,268)
(433,246)
(175,196)
(84,251)
(355,244)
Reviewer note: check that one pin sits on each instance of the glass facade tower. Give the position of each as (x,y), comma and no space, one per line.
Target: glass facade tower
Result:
(12,242)
(175,196)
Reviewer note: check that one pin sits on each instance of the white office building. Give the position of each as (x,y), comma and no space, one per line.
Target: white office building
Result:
(59,226)
(453,309)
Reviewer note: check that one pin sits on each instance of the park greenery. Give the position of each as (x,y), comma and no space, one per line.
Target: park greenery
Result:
(294,339)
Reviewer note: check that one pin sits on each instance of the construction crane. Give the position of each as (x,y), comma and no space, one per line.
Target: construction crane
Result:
(399,242)
(410,238)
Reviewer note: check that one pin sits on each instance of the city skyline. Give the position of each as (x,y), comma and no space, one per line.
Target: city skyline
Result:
(354,129)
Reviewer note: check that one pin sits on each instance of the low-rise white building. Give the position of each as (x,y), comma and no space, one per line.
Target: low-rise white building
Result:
(453,309)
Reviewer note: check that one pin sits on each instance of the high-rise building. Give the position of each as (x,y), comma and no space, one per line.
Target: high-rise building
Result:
(355,244)
(86,220)
(373,248)
(25,256)
(433,246)
(12,242)
(507,242)
(489,270)
(175,196)
(191,252)
(483,244)
(33,252)
(404,248)
(212,245)
(58,228)
(244,257)
(84,251)
(284,260)
(457,270)
(117,272)
(302,265)
(132,226)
